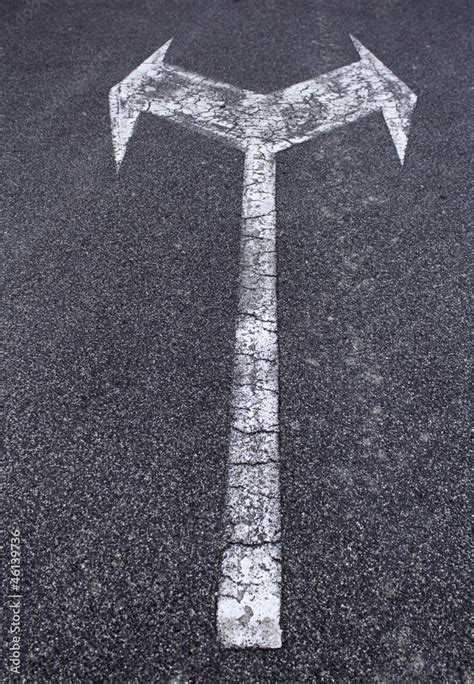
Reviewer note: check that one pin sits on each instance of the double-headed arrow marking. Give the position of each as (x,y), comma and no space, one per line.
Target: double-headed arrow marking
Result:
(248,612)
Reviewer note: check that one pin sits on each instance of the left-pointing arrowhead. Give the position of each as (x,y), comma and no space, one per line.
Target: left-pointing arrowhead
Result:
(126,103)
(397,101)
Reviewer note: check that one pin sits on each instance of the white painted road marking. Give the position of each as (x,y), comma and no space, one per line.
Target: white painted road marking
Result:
(248,612)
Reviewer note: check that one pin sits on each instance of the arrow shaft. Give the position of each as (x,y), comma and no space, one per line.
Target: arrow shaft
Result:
(251,568)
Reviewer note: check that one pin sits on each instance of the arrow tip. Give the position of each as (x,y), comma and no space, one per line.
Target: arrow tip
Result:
(158,57)
(125,103)
(397,100)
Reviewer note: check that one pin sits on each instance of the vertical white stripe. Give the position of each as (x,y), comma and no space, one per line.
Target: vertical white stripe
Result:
(248,612)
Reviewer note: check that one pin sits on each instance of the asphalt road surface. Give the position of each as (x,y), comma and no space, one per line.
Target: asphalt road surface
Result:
(121,302)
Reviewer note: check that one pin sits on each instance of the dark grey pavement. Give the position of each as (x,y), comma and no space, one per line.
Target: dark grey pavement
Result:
(120,305)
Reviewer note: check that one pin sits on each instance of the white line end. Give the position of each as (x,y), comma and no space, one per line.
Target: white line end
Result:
(248,611)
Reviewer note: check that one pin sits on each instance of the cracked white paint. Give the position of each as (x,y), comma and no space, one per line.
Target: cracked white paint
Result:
(248,611)
(249,596)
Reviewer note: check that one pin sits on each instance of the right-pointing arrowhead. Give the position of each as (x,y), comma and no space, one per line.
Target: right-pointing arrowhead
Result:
(397,101)
(126,104)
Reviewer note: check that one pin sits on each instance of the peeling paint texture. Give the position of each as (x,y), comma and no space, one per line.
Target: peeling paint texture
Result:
(248,611)
(279,120)
(249,597)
